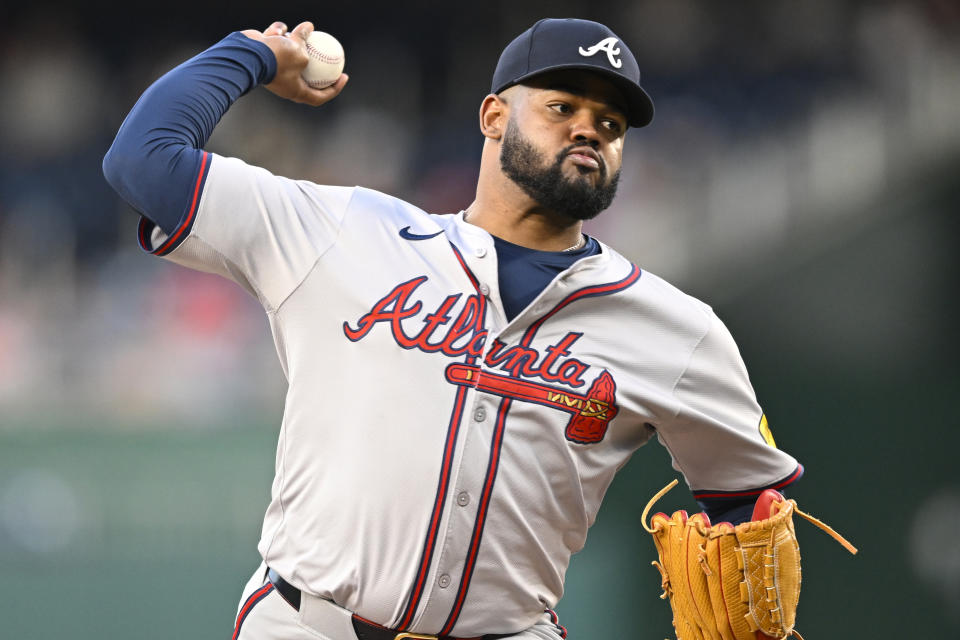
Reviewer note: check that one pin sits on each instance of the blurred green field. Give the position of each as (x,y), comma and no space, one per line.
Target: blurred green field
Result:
(120,535)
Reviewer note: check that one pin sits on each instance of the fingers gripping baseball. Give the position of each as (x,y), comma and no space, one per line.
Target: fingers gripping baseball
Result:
(290,51)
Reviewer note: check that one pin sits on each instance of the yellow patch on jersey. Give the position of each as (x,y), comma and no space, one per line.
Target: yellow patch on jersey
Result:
(765,431)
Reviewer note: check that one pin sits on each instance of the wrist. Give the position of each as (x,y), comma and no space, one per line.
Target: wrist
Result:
(249,50)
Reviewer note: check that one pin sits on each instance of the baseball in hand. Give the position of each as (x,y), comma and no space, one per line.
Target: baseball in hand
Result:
(326,60)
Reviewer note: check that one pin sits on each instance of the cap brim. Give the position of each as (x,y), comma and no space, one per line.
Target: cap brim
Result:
(639,104)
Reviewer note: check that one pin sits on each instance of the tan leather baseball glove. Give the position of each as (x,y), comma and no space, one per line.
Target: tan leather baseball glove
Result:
(730,582)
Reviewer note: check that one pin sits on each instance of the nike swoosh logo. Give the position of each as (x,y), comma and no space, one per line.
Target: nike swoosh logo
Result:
(406,234)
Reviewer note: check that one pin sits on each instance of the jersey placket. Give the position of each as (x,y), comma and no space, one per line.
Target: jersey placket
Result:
(435,595)
(484,426)
(440,573)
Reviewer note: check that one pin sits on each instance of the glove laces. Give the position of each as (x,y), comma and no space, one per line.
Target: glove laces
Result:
(823,526)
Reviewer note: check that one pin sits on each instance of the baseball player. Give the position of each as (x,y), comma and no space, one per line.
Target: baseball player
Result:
(462,387)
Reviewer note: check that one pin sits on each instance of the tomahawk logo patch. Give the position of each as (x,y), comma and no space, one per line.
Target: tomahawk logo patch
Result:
(607,45)
(590,413)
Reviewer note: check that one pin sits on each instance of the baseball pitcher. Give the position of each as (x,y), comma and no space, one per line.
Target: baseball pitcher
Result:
(491,369)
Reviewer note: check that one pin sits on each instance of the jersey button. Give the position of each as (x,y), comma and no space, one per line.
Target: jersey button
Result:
(480,252)
(480,414)
(444,581)
(484,289)
(463,499)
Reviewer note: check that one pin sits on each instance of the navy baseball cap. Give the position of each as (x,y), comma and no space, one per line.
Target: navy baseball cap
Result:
(567,43)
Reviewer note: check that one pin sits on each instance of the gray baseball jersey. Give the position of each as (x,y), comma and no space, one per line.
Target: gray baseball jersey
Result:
(437,462)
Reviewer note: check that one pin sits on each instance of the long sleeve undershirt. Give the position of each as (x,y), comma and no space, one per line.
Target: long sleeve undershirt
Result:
(155,159)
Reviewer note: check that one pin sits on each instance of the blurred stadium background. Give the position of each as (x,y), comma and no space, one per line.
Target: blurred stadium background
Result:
(800,176)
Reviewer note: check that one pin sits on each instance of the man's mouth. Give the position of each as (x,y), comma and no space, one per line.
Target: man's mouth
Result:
(587,158)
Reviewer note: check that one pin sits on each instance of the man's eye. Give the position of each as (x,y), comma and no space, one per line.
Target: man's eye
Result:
(612,125)
(560,107)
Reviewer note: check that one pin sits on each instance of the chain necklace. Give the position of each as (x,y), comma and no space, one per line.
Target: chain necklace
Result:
(582,241)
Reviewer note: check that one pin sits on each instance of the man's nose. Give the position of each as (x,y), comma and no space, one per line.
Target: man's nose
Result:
(583,128)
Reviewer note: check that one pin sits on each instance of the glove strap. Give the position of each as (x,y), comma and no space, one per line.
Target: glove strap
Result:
(826,528)
(646,509)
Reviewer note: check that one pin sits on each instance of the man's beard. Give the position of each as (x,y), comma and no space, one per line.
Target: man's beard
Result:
(575,198)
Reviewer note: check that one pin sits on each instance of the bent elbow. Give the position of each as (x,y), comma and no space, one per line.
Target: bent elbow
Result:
(116,169)
(125,170)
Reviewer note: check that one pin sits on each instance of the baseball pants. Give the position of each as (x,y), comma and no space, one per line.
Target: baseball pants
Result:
(263,614)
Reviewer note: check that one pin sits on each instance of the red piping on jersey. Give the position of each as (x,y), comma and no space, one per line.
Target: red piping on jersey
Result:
(453,430)
(188,219)
(466,269)
(142,234)
(254,598)
(598,290)
(442,489)
(492,466)
(555,619)
(752,492)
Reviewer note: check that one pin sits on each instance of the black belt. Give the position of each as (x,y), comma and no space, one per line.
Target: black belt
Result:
(286,590)
(364,629)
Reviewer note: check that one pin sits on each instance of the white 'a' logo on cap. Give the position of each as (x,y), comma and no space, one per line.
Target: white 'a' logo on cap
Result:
(610,46)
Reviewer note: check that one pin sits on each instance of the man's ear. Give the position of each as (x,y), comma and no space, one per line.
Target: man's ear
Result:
(494,112)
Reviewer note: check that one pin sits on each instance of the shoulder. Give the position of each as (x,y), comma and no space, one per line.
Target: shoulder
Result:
(659,298)
(371,209)
(385,207)
(235,178)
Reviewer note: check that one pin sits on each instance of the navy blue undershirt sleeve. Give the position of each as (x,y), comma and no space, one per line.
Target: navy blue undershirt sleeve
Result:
(155,160)
(732,510)
(524,273)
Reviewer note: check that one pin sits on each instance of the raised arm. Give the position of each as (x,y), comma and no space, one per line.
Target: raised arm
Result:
(156,160)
